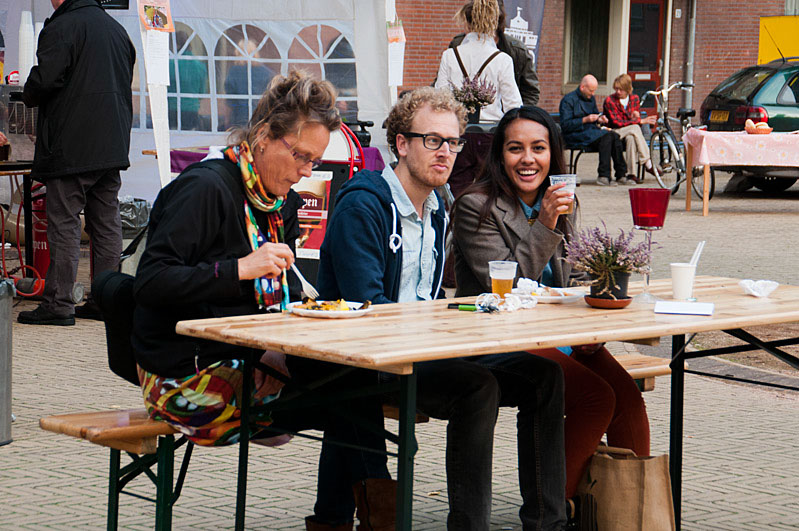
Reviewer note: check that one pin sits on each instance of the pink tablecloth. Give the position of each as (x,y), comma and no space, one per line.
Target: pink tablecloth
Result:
(743,149)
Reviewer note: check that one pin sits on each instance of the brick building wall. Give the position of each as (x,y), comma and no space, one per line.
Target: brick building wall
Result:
(727,36)
(429,26)
(550,55)
(726,40)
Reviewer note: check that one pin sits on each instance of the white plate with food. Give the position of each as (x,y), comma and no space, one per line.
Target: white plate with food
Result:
(339,309)
(547,295)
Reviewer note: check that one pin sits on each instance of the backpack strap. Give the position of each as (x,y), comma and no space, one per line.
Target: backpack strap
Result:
(485,64)
(482,67)
(460,62)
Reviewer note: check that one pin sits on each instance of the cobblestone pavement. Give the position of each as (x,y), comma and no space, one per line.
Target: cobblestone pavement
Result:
(740,468)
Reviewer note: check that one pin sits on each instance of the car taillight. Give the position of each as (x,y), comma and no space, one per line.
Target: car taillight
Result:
(756,114)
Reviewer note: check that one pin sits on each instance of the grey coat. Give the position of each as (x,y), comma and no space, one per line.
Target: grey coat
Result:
(507,235)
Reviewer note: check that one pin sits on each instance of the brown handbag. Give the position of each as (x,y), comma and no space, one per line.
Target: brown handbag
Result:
(631,492)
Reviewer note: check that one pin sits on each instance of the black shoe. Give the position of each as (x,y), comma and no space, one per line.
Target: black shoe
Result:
(40,316)
(90,310)
(581,512)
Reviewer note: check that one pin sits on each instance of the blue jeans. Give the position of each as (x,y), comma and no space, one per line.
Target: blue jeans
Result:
(339,467)
(535,386)
(467,396)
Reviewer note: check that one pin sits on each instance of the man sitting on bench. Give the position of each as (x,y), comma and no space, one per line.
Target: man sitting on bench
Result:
(584,126)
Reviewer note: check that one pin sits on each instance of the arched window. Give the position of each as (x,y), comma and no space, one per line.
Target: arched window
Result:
(188,90)
(324,52)
(245,61)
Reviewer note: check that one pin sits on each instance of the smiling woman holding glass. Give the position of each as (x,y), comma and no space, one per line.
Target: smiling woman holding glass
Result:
(219,243)
(512,212)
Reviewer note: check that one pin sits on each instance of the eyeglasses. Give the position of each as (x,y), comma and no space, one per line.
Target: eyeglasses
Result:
(299,157)
(435,142)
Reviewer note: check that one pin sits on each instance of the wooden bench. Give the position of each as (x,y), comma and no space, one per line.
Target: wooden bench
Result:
(150,442)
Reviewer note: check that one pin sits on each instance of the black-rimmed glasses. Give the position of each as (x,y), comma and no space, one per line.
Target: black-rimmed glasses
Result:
(299,157)
(435,142)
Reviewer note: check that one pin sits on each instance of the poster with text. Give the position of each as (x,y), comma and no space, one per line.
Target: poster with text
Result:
(524,21)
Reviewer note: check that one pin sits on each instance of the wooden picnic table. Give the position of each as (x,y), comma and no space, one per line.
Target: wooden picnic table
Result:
(394,337)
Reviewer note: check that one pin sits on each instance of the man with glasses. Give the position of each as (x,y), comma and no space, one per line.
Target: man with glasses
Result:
(385,244)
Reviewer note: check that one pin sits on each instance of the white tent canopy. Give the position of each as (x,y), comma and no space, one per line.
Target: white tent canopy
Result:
(286,25)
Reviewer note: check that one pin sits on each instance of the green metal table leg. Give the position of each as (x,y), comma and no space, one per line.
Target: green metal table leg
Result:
(244,446)
(113,491)
(407,450)
(163,497)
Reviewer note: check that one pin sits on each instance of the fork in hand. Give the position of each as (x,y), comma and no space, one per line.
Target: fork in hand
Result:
(307,287)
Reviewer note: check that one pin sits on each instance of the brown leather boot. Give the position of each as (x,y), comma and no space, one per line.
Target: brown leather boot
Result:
(310,525)
(376,504)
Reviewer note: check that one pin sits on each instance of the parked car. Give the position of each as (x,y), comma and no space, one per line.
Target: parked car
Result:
(762,93)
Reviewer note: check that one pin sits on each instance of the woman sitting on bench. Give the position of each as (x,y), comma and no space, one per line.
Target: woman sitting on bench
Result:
(219,244)
(513,213)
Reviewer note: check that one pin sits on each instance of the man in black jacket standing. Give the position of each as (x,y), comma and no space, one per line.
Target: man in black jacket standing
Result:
(82,87)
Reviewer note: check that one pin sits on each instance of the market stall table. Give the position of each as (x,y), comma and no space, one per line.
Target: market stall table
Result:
(394,337)
(12,168)
(722,148)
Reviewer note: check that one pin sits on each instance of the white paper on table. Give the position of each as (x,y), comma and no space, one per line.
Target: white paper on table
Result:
(156,58)
(684,308)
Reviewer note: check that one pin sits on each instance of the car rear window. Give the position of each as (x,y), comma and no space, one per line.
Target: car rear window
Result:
(740,85)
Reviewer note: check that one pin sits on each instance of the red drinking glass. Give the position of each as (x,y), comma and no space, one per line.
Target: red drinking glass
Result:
(649,207)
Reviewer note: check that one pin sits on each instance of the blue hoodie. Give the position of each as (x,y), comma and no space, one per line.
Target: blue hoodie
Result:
(361,257)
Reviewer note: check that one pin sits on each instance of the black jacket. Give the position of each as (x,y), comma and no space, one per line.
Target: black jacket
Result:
(189,269)
(82,87)
(523,67)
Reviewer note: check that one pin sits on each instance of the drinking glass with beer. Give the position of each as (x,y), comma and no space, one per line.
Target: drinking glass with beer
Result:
(570,180)
(502,273)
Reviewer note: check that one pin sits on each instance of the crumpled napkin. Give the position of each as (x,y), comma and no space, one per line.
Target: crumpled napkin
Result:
(758,288)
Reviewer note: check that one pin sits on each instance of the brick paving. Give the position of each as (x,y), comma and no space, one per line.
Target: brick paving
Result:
(740,468)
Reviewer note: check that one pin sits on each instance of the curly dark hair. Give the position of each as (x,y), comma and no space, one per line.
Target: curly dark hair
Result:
(492,180)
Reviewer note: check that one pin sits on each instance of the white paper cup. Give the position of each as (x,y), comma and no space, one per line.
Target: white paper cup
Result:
(570,180)
(682,280)
(502,274)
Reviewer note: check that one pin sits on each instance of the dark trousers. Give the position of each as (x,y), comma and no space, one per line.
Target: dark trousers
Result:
(535,386)
(467,396)
(339,467)
(609,146)
(96,194)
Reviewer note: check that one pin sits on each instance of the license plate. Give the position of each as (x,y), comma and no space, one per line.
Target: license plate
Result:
(719,116)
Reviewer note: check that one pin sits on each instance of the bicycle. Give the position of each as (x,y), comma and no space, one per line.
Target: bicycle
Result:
(665,151)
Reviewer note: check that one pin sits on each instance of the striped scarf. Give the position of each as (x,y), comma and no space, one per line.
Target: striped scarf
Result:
(267,291)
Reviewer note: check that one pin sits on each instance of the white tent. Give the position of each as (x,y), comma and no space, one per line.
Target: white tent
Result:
(329,37)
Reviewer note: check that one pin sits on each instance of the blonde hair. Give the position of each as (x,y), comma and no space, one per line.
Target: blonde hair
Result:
(480,16)
(404,111)
(286,105)
(625,82)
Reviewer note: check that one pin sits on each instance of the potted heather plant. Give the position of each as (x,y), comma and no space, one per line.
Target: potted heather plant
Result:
(608,261)
(474,94)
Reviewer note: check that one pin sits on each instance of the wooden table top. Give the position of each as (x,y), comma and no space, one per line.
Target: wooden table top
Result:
(394,336)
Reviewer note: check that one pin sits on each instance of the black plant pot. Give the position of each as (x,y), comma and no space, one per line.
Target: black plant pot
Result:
(473,117)
(619,291)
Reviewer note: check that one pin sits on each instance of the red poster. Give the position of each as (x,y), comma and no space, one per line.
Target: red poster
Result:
(315,193)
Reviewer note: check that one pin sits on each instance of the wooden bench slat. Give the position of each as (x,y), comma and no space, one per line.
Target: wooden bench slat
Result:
(122,430)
